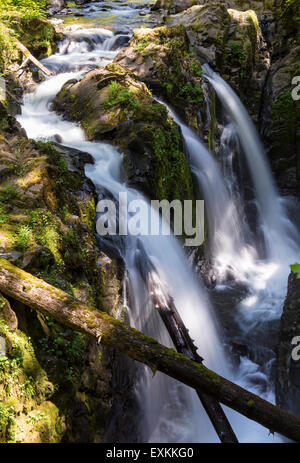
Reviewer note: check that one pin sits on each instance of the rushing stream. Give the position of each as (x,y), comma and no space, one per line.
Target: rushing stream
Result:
(172,412)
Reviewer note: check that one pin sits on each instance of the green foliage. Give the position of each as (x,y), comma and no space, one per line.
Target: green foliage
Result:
(7,422)
(196,69)
(141,44)
(54,276)
(67,346)
(8,193)
(192,93)
(238,52)
(120,96)
(75,255)
(291,15)
(10,10)
(296,269)
(3,216)
(171,165)
(23,237)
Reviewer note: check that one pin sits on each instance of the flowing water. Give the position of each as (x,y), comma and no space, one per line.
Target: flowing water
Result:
(172,412)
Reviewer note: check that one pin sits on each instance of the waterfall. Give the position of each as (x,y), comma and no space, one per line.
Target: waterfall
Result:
(231,254)
(172,411)
(278,232)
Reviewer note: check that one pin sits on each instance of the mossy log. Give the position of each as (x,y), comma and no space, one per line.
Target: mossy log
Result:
(65,309)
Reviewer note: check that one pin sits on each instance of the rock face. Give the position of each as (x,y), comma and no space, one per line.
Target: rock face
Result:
(163,58)
(280,117)
(288,370)
(55,6)
(231,42)
(47,222)
(111,104)
(176,6)
(169,59)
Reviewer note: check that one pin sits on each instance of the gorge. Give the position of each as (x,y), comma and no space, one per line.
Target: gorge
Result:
(150,100)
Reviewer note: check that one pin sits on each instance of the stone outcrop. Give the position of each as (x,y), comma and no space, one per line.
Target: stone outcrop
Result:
(111,104)
(280,115)
(288,369)
(47,223)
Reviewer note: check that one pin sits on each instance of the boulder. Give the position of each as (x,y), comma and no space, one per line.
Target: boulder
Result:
(112,105)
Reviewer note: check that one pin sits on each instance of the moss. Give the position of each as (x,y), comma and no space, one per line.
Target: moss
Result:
(250,404)
(120,96)
(290,12)
(23,382)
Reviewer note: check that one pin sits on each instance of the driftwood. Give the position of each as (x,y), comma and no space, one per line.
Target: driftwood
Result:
(185,345)
(65,309)
(30,57)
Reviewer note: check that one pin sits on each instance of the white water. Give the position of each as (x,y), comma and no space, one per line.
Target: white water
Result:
(278,231)
(172,411)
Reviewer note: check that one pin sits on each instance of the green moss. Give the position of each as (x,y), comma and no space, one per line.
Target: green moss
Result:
(141,44)
(120,96)
(290,11)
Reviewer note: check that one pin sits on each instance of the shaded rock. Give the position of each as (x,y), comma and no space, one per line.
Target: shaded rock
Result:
(231,42)
(288,370)
(280,119)
(111,104)
(7,314)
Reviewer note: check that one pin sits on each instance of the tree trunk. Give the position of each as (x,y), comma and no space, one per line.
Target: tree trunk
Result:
(38,295)
(29,56)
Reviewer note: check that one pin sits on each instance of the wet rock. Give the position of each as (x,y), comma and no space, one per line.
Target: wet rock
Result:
(281,119)
(288,370)
(111,104)
(7,314)
(55,6)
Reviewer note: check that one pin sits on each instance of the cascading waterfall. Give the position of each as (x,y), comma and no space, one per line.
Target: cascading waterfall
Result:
(230,252)
(278,231)
(173,412)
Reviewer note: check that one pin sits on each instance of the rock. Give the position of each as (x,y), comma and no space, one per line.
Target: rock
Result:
(280,119)
(55,6)
(38,35)
(162,58)
(111,104)
(231,42)
(288,370)
(7,314)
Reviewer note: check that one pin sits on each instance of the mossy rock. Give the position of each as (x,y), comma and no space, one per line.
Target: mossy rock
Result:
(281,121)
(111,104)
(38,35)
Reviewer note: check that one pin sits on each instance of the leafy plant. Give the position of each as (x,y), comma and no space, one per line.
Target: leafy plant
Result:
(296,269)
(23,237)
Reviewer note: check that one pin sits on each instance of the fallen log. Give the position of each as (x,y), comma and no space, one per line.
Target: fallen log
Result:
(30,57)
(65,309)
(183,343)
